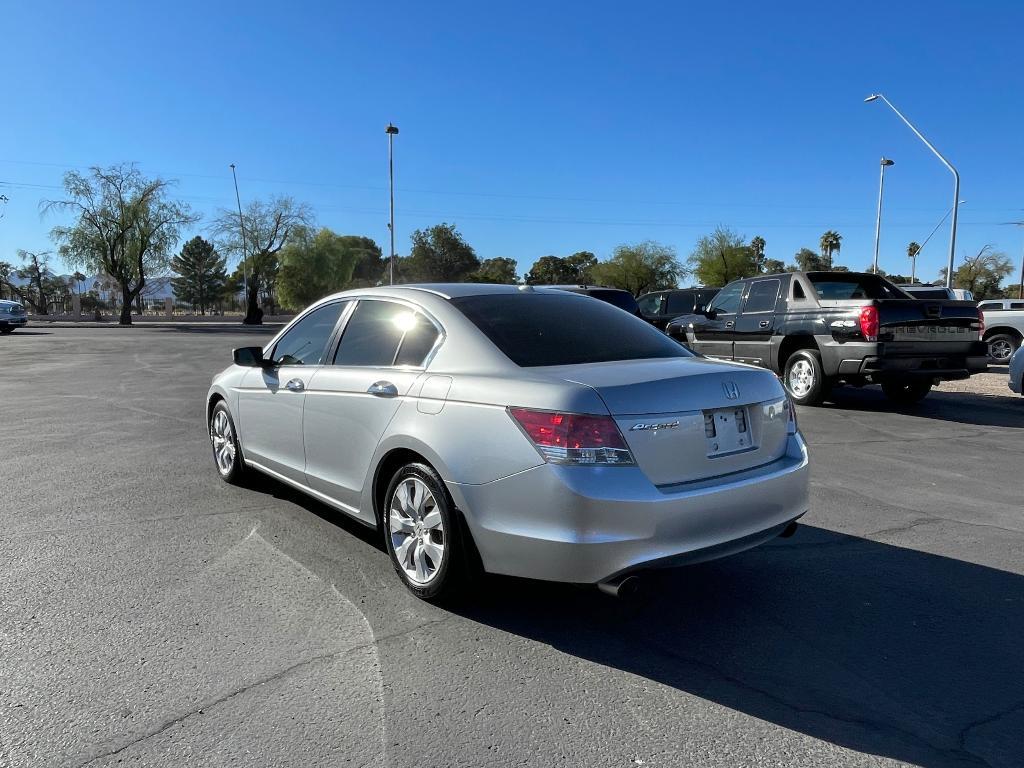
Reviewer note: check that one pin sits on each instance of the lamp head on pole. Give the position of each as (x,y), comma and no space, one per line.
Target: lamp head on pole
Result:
(872,97)
(392,129)
(887,161)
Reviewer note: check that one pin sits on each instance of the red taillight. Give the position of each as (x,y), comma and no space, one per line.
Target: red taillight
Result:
(869,323)
(573,438)
(981,324)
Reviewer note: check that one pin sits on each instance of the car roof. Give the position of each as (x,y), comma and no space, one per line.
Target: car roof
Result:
(448,290)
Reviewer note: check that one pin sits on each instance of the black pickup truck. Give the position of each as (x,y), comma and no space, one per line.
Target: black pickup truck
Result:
(820,329)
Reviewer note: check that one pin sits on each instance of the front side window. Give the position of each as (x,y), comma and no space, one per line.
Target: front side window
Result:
(383,334)
(727,302)
(306,342)
(650,304)
(762,296)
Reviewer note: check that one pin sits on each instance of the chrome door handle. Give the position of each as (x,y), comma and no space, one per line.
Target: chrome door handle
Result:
(763,324)
(383,389)
(729,324)
(295,385)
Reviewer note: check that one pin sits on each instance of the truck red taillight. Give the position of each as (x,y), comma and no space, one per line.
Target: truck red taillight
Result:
(573,438)
(869,323)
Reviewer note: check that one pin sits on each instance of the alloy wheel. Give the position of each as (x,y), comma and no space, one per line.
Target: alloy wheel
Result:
(223,439)
(416,528)
(800,378)
(1000,350)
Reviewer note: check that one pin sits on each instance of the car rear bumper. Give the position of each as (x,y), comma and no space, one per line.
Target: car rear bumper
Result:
(879,363)
(588,524)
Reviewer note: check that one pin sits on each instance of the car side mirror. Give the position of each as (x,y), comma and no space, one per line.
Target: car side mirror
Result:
(249,357)
(709,313)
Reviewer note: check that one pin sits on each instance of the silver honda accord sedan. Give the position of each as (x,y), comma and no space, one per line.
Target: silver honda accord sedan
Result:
(514,430)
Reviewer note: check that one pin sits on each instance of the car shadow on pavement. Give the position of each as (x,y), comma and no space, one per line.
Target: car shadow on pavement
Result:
(876,648)
(960,407)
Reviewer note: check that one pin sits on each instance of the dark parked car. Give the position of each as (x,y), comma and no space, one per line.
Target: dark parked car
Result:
(819,329)
(660,307)
(615,296)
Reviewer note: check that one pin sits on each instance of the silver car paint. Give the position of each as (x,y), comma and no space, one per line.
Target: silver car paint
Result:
(528,518)
(1017,371)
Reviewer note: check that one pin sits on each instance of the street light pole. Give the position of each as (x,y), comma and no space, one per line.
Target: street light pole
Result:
(878,217)
(956,183)
(391,131)
(241,226)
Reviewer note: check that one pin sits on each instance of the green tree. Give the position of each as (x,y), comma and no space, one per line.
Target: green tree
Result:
(201,272)
(316,265)
(646,266)
(440,254)
(809,261)
(269,226)
(563,270)
(831,243)
(6,279)
(371,264)
(721,257)
(501,270)
(125,227)
(773,266)
(757,246)
(982,273)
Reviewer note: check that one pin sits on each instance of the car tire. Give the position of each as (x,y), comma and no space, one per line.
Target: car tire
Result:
(6,330)
(1001,347)
(907,392)
(227,451)
(423,532)
(804,377)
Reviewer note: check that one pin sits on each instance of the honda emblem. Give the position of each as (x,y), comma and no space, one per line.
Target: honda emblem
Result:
(732,392)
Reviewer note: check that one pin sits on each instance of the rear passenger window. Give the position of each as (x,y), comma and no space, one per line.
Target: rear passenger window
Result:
(419,339)
(798,291)
(383,333)
(680,303)
(762,296)
(1017,305)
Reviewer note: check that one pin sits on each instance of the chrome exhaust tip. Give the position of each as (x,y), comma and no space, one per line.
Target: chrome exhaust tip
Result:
(624,586)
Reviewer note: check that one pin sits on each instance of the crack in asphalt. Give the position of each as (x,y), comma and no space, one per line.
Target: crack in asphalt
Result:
(202,709)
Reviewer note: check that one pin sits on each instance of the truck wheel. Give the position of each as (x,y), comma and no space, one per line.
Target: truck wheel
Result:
(804,377)
(1001,347)
(907,392)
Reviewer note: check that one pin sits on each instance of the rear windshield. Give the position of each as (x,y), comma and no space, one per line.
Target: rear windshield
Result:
(621,299)
(928,293)
(836,286)
(535,329)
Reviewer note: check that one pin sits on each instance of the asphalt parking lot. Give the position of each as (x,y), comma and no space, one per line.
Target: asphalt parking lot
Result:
(152,615)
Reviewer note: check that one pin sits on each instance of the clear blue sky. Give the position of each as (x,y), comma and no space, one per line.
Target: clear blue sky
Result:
(536,127)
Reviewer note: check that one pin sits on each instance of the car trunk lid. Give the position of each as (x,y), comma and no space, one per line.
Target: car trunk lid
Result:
(688,419)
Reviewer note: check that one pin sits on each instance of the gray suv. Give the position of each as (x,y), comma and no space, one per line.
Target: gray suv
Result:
(12,315)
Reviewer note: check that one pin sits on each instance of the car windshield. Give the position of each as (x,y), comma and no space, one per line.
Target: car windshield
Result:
(537,329)
(836,286)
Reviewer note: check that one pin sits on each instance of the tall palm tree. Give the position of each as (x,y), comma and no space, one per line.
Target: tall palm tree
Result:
(912,250)
(831,242)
